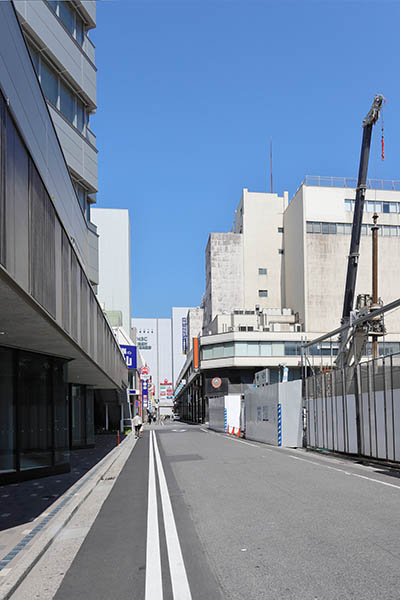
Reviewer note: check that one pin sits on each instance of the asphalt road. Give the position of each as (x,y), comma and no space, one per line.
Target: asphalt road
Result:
(219,517)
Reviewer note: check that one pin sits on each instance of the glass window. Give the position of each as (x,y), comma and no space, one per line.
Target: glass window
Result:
(53,4)
(393,207)
(347,204)
(386,207)
(364,230)
(240,348)
(262,271)
(218,351)
(386,230)
(79,30)
(265,349)
(49,82)
(280,229)
(325,227)
(309,227)
(378,207)
(35,401)
(229,349)
(370,207)
(61,416)
(7,411)
(347,228)
(332,228)
(207,352)
(340,228)
(253,349)
(67,103)
(278,349)
(262,293)
(80,115)
(35,57)
(316,227)
(67,16)
(393,230)
(291,349)
(281,251)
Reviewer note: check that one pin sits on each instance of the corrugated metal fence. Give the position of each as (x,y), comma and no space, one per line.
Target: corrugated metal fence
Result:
(357,416)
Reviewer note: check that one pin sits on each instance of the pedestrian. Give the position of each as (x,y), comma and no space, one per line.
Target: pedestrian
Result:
(149,419)
(137,421)
(154,418)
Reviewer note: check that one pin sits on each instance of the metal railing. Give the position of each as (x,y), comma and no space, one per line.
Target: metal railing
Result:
(351,182)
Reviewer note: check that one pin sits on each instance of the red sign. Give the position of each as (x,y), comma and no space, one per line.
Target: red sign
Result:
(216,382)
(145,370)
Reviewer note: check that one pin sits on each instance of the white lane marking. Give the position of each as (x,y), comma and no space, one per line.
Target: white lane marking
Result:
(312,462)
(154,588)
(179,580)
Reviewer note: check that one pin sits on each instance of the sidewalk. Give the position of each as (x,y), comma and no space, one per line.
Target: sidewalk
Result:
(22,548)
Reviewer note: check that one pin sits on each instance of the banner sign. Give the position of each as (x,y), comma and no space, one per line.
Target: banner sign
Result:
(184,336)
(129,353)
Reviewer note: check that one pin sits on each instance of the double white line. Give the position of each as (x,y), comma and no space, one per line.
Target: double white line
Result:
(179,580)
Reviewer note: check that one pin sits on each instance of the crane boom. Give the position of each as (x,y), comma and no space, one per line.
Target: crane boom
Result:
(352,263)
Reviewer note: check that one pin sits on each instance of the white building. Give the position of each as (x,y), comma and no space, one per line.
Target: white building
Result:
(154,341)
(114,289)
(279,277)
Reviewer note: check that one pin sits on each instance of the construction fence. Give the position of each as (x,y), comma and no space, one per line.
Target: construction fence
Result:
(357,413)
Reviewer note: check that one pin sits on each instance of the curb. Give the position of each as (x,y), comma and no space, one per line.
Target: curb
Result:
(69,503)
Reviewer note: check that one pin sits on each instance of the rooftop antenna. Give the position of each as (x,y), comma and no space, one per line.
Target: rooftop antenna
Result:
(270,162)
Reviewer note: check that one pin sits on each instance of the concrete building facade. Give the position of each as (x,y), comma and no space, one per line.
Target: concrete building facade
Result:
(114,288)
(56,344)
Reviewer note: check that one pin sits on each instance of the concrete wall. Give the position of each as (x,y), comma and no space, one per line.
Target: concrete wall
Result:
(224,275)
(262,240)
(294,257)
(326,263)
(114,288)
(195,323)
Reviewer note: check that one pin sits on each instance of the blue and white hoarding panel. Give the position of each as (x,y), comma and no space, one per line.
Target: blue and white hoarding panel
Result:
(184,336)
(129,353)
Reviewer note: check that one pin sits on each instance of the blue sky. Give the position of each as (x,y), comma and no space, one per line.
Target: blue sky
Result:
(189,94)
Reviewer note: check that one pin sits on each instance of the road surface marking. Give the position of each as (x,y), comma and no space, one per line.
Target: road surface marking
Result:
(347,472)
(179,580)
(233,439)
(154,589)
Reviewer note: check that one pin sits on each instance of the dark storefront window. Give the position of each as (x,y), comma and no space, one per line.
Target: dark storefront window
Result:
(82,416)
(34,432)
(7,412)
(35,411)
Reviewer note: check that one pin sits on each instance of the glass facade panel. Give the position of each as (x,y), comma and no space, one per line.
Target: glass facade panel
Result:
(35,410)
(80,115)
(49,82)
(253,349)
(89,417)
(265,349)
(309,227)
(218,351)
(7,412)
(229,349)
(240,348)
(393,207)
(79,30)
(292,349)
(278,349)
(67,103)
(35,57)
(386,207)
(67,15)
(78,412)
(207,352)
(61,413)
(316,227)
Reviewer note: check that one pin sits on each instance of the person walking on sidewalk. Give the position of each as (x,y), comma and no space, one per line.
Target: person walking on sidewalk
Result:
(137,422)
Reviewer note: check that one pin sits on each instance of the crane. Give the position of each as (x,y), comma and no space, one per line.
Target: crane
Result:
(353,339)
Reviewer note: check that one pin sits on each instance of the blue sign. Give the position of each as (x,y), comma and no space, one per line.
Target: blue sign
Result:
(184,336)
(129,353)
(145,392)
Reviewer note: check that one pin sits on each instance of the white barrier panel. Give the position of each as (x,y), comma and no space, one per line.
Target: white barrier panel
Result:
(232,407)
(216,413)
